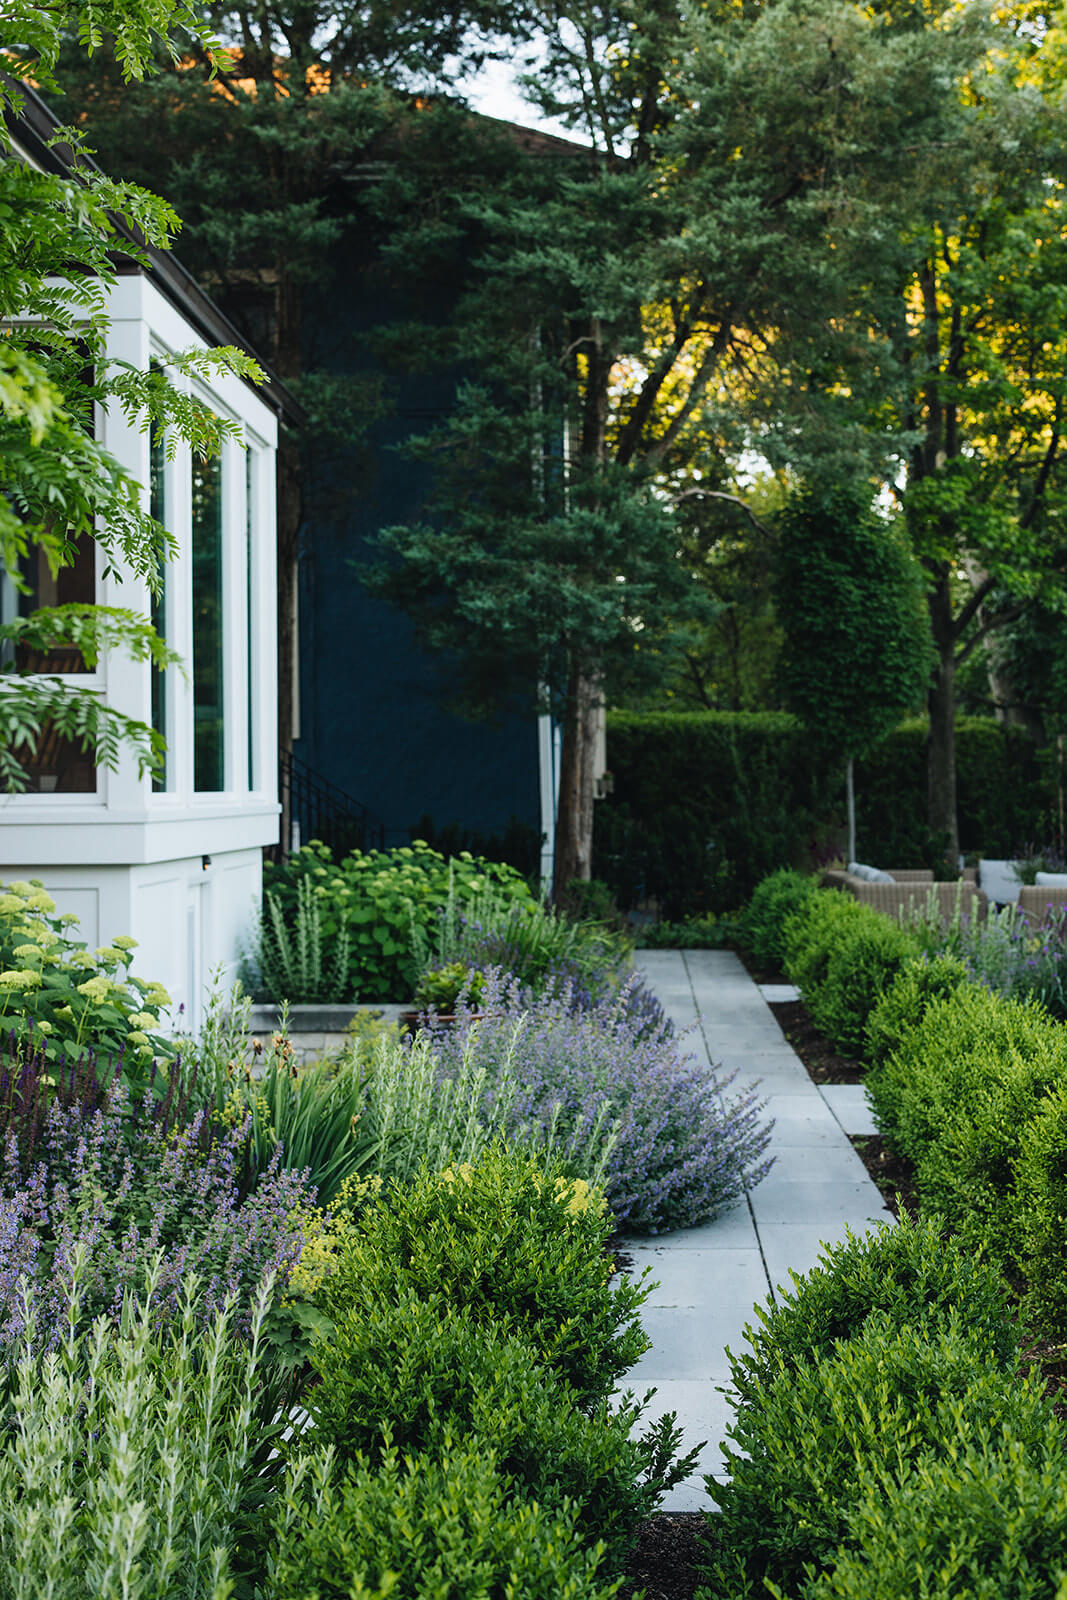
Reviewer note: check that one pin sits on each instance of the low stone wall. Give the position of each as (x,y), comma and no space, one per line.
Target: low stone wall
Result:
(316,1030)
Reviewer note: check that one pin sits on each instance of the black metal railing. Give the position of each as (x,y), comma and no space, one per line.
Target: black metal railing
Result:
(314,808)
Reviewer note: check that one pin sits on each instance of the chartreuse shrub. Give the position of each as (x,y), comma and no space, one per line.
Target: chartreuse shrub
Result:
(442,1525)
(985,1523)
(895,1350)
(957,1098)
(373,900)
(866,957)
(811,933)
(1041,1213)
(514,1241)
(905,1001)
(912,1274)
(762,926)
(67,999)
(413,1370)
(842,955)
(807,1433)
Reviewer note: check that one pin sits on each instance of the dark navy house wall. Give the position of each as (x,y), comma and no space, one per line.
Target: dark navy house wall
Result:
(371,715)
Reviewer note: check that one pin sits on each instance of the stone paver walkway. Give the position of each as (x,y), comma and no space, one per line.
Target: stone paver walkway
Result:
(710,1277)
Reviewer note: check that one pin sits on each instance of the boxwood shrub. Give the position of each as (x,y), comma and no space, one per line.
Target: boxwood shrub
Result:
(905,1001)
(867,955)
(443,1525)
(415,1370)
(912,1274)
(987,1523)
(807,1434)
(957,1097)
(519,1246)
(761,928)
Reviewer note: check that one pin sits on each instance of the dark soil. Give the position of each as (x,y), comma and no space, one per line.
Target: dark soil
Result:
(823,1062)
(670,1554)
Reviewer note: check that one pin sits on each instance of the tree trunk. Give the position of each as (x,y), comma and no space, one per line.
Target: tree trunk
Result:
(941,747)
(574,819)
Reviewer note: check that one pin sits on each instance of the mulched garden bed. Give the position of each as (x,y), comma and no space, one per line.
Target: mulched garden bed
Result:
(671,1551)
(823,1062)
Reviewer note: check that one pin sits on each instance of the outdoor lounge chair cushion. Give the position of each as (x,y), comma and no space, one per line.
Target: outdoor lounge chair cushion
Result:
(869,874)
(1051,880)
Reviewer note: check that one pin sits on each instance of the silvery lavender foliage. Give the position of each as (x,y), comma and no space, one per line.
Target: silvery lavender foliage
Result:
(683,1151)
(170,1197)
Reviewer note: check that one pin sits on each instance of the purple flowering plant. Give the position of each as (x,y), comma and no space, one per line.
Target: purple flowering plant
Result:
(684,1148)
(88,1189)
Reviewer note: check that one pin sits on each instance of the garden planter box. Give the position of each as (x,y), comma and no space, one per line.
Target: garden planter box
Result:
(315,1030)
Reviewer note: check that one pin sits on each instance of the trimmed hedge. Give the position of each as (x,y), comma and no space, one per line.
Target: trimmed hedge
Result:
(706,804)
(896,1351)
(987,1524)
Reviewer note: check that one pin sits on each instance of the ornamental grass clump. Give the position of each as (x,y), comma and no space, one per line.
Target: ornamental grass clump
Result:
(681,1151)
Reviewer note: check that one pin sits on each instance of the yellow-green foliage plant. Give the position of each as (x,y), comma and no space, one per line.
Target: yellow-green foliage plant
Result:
(516,1241)
(957,1098)
(414,1369)
(988,1522)
(810,933)
(62,998)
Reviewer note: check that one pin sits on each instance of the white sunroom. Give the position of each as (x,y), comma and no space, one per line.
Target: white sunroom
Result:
(174,861)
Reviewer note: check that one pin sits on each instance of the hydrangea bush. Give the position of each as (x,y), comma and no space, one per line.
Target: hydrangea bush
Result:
(376,899)
(66,998)
(682,1150)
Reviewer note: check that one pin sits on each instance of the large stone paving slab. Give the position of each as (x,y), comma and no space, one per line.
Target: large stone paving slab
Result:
(711,1277)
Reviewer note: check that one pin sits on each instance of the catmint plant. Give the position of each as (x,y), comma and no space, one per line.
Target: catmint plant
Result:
(89,1194)
(682,1149)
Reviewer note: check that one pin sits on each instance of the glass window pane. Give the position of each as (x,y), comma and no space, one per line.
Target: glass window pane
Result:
(158,509)
(71,585)
(208,741)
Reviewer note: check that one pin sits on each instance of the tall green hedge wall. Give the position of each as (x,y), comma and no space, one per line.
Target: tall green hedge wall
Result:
(705,804)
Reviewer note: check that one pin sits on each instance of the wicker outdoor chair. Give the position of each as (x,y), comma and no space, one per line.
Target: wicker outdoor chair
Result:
(911,889)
